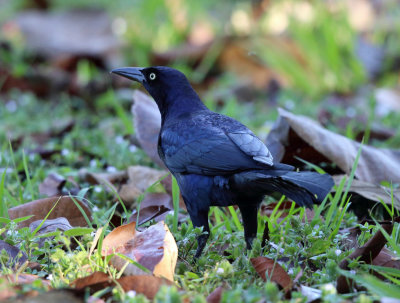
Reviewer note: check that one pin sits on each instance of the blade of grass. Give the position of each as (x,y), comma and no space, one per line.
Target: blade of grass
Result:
(28,178)
(15,170)
(175,200)
(235,218)
(45,218)
(88,221)
(3,204)
(140,266)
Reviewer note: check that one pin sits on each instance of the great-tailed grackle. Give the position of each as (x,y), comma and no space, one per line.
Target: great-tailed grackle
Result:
(216,160)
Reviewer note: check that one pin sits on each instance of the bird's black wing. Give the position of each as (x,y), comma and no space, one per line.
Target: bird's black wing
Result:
(212,144)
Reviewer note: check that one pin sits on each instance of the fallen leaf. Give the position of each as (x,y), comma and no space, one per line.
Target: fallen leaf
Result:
(54,296)
(266,267)
(42,82)
(57,130)
(52,185)
(147,123)
(371,191)
(216,295)
(140,178)
(299,136)
(154,248)
(50,225)
(76,32)
(189,51)
(154,206)
(367,253)
(352,234)
(235,58)
(387,258)
(142,284)
(109,181)
(10,283)
(25,279)
(40,208)
(15,255)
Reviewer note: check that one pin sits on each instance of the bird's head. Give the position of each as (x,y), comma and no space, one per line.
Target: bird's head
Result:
(169,87)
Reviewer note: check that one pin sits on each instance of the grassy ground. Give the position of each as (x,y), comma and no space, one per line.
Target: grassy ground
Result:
(309,249)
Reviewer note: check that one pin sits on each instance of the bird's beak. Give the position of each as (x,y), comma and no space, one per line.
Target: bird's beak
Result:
(132,73)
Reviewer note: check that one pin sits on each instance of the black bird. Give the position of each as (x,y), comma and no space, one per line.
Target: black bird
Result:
(216,160)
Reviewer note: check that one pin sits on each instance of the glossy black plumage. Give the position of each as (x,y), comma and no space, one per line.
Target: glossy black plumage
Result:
(216,160)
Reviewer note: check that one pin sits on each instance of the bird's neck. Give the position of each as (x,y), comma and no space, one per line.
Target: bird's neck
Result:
(180,102)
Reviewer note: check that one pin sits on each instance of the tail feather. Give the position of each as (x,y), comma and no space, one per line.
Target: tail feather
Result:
(305,188)
(315,183)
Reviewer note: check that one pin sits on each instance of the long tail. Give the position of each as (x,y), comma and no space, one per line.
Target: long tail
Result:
(305,188)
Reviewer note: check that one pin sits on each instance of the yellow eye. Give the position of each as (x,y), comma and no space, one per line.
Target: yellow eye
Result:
(152,76)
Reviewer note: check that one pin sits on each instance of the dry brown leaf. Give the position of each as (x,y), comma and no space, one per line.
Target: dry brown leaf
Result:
(366,254)
(371,191)
(25,279)
(9,284)
(52,185)
(52,296)
(300,136)
(40,208)
(117,238)
(147,123)
(387,258)
(155,206)
(15,255)
(140,178)
(51,225)
(94,278)
(216,295)
(268,267)
(75,32)
(154,248)
(107,180)
(142,284)
(235,58)
(188,51)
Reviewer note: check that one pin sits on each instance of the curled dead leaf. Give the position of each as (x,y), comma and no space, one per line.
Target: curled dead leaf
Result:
(371,191)
(155,248)
(142,284)
(40,208)
(155,206)
(10,283)
(16,257)
(52,185)
(147,123)
(367,253)
(140,178)
(299,136)
(266,267)
(51,225)
(107,180)
(216,295)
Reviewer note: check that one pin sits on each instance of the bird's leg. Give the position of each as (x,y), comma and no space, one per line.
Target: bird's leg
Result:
(200,219)
(250,223)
